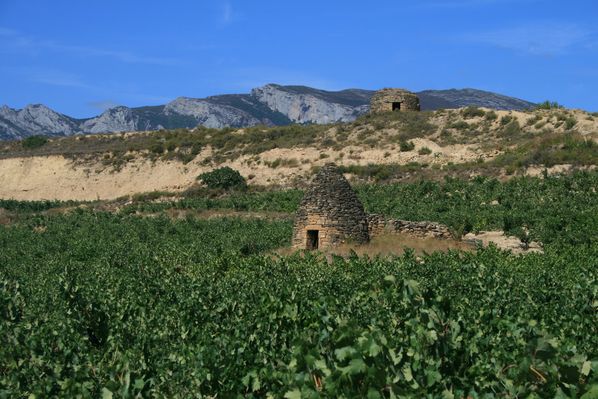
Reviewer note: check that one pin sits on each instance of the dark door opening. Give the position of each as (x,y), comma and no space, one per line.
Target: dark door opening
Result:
(312,239)
(396,106)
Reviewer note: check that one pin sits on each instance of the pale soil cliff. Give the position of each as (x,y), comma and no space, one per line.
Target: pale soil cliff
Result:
(87,170)
(57,177)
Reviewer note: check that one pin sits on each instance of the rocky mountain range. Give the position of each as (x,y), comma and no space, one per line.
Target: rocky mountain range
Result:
(270,105)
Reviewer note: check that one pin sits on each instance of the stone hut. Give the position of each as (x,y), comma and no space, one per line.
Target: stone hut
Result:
(386,100)
(330,213)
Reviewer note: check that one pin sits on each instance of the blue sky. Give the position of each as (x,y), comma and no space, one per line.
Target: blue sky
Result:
(80,57)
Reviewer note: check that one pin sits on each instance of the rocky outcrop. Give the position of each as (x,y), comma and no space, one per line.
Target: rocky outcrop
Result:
(35,119)
(305,107)
(210,115)
(117,119)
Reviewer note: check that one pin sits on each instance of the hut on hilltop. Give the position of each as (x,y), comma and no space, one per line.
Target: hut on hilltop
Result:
(330,213)
(386,100)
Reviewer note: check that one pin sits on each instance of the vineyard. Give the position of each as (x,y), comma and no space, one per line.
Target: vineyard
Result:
(136,304)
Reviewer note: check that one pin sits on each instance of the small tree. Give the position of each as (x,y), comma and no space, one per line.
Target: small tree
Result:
(224,178)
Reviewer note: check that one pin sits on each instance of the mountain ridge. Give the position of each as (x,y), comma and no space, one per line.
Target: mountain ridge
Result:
(269,105)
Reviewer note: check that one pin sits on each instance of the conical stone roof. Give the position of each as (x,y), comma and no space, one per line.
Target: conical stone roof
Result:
(382,100)
(330,206)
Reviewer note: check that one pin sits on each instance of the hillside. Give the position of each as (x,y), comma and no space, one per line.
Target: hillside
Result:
(269,105)
(385,147)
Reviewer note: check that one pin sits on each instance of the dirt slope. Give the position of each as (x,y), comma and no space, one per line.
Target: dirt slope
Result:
(108,167)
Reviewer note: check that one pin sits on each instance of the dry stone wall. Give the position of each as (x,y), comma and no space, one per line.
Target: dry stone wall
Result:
(331,214)
(380,225)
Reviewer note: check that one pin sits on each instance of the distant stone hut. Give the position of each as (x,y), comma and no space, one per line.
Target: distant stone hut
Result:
(330,213)
(386,100)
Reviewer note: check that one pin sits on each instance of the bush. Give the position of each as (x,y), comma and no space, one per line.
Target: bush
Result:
(171,146)
(157,148)
(491,116)
(570,122)
(224,178)
(472,112)
(32,142)
(424,151)
(505,120)
(511,129)
(405,145)
(459,125)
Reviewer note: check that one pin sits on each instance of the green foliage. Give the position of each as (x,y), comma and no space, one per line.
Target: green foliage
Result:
(511,129)
(472,112)
(548,105)
(571,148)
(94,304)
(380,172)
(459,125)
(558,210)
(157,308)
(424,151)
(267,201)
(33,206)
(157,148)
(225,178)
(570,123)
(491,116)
(405,145)
(33,142)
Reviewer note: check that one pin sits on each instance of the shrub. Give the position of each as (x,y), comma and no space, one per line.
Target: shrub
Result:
(186,158)
(459,125)
(424,151)
(195,148)
(549,105)
(570,122)
(32,142)
(405,145)
(224,178)
(491,116)
(511,129)
(157,148)
(505,120)
(171,146)
(533,120)
(472,112)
